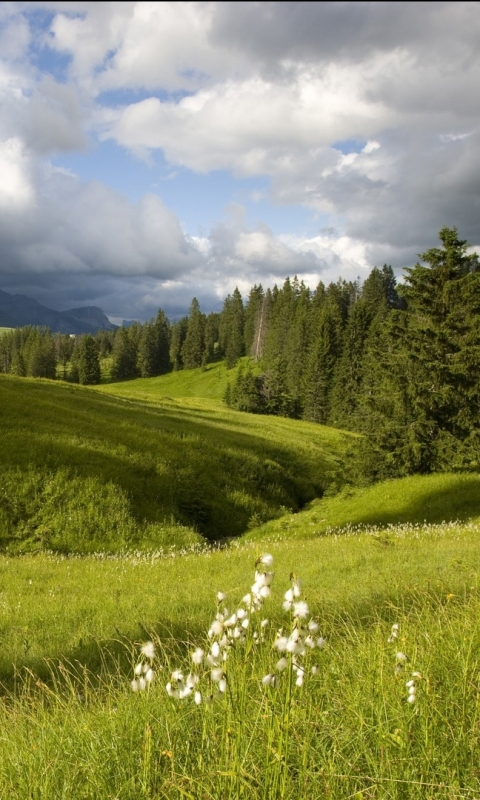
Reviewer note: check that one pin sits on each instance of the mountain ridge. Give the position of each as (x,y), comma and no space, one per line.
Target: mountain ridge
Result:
(18,310)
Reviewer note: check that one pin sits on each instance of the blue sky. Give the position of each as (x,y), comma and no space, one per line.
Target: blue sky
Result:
(152,152)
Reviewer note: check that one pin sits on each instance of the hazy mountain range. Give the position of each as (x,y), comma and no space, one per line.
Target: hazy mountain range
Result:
(17,310)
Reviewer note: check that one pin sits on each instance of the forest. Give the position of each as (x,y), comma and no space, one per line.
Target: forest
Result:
(398,363)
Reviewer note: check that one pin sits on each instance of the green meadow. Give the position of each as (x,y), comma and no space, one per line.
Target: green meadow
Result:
(86,470)
(362,683)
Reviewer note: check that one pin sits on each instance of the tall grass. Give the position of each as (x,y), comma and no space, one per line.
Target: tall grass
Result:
(348,731)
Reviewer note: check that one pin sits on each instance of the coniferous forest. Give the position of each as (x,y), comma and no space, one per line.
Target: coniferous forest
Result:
(397,363)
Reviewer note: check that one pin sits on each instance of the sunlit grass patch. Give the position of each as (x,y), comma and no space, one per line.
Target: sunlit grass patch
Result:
(416,500)
(266,724)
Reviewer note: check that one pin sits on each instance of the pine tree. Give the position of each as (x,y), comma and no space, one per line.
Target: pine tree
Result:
(88,361)
(232,329)
(212,330)
(177,338)
(324,352)
(147,352)
(162,333)
(194,345)
(429,377)
(348,374)
(124,355)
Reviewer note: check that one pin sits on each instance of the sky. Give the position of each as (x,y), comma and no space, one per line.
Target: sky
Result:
(151,152)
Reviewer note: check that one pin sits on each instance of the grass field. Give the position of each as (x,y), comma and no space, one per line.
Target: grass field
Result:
(363,683)
(88,470)
(76,729)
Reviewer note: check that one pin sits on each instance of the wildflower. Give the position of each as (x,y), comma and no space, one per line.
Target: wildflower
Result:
(217,674)
(321,642)
(401,657)
(280,643)
(149,675)
(269,680)
(220,597)
(197,656)
(216,628)
(198,698)
(266,560)
(148,650)
(394,633)
(300,609)
(282,664)
(314,669)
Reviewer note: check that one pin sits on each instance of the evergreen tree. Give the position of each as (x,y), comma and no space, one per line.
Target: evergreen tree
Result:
(40,360)
(232,329)
(88,361)
(178,334)
(162,333)
(348,374)
(212,331)
(147,352)
(194,345)
(323,354)
(124,355)
(297,346)
(431,366)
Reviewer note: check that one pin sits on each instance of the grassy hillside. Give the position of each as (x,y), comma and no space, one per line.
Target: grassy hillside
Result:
(414,500)
(86,469)
(209,383)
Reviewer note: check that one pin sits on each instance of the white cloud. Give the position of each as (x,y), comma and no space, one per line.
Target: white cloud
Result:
(16,189)
(366,112)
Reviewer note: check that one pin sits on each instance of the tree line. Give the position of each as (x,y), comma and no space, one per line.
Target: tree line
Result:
(399,364)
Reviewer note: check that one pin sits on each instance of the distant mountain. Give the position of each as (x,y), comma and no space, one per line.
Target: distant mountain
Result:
(17,310)
(91,315)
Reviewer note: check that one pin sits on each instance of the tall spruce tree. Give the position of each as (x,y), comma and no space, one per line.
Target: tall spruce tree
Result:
(88,361)
(324,351)
(194,345)
(231,328)
(431,365)
(124,354)
(162,334)
(177,338)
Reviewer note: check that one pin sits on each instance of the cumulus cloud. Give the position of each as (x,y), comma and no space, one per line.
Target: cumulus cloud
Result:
(362,113)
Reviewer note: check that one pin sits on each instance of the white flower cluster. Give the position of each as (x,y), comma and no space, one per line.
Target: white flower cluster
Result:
(303,637)
(401,659)
(412,687)
(143,671)
(394,633)
(226,630)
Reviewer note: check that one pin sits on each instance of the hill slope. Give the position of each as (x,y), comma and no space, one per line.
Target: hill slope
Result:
(83,470)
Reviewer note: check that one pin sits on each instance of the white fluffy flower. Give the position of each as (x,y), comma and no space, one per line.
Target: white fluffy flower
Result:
(266,560)
(197,656)
(269,680)
(300,609)
(148,650)
(149,675)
